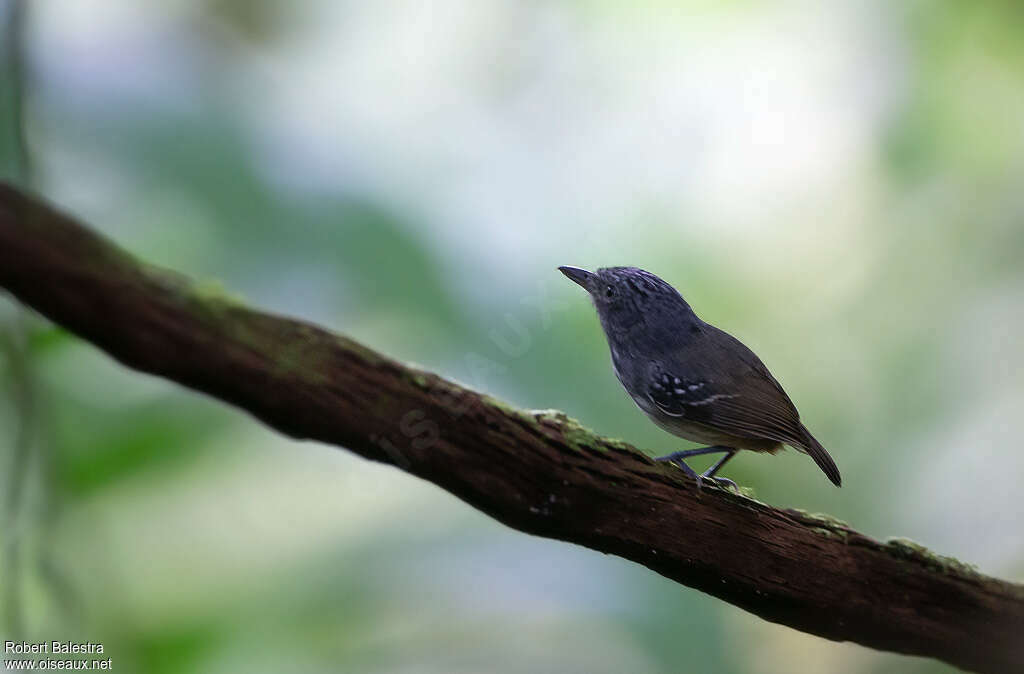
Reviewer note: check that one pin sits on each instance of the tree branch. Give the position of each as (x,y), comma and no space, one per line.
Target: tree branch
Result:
(539,472)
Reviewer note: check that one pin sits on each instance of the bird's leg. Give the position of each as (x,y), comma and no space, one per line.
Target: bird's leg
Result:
(709,474)
(686,469)
(676,458)
(729,453)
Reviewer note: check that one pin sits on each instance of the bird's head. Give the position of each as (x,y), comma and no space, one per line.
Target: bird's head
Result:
(630,300)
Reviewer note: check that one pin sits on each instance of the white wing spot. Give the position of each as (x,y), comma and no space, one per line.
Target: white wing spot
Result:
(708,401)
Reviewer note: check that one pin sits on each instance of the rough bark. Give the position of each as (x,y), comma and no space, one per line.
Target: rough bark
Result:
(536,471)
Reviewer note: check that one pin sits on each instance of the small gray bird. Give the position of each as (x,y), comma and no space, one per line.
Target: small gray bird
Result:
(692,379)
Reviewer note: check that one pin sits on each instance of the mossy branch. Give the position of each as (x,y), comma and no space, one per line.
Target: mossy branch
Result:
(538,472)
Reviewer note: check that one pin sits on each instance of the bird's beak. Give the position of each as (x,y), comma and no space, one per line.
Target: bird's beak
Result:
(577,275)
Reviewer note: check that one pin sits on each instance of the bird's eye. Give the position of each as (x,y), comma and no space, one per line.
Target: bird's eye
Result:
(609,291)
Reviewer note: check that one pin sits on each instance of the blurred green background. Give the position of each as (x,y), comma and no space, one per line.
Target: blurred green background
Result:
(839,184)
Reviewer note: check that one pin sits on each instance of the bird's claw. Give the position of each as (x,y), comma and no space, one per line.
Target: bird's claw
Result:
(720,482)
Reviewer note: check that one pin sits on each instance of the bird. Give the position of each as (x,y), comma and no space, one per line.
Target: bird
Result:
(691,378)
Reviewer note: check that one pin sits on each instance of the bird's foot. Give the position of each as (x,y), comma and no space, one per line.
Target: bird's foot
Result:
(720,482)
(679,463)
(701,479)
(708,476)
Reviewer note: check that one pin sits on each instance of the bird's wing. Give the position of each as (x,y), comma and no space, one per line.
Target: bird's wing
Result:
(734,393)
(728,388)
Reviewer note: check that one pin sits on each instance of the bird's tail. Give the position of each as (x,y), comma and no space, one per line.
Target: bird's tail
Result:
(821,457)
